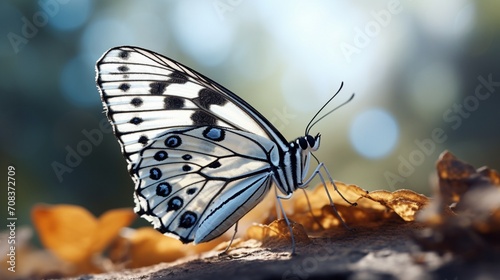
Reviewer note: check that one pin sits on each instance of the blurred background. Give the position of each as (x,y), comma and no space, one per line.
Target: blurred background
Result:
(426,76)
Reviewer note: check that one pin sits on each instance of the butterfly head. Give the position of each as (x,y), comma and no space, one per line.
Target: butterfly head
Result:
(309,143)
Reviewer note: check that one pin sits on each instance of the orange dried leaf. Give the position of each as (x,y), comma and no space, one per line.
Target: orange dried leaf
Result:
(146,246)
(318,197)
(371,206)
(451,168)
(457,177)
(109,225)
(277,232)
(73,234)
(36,263)
(65,229)
(473,224)
(318,214)
(352,215)
(207,246)
(405,203)
(492,175)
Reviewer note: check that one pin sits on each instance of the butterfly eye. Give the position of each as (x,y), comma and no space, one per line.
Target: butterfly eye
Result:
(310,140)
(302,143)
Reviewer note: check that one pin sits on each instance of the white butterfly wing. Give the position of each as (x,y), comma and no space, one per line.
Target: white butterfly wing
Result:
(195,183)
(199,189)
(145,94)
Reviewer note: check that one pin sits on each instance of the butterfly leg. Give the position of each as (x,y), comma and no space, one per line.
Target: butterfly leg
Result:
(279,198)
(317,172)
(310,209)
(230,241)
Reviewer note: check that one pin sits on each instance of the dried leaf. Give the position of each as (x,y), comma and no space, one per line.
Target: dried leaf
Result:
(146,246)
(492,175)
(472,224)
(74,235)
(371,206)
(65,229)
(457,177)
(274,234)
(405,203)
(36,264)
(109,225)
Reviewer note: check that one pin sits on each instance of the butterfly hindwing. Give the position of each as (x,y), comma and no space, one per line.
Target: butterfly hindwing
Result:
(197,182)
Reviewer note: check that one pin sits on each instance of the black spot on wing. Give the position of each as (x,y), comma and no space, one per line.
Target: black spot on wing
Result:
(173,102)
(188,219)
(207,97)
(124,87)
(157,88)
(203,118)
(174,204)
(214,164)
(123,68)
(177,77)
(136,120)
(143,140)
(124,54)
(173,141)
(155,173)
(160,156)
(136,101)
(163,189)
(214,133)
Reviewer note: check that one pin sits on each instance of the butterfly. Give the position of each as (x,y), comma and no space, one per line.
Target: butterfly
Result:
(200,156)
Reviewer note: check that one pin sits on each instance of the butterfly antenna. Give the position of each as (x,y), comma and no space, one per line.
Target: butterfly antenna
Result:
(313,122)
(309,125)
(329,112)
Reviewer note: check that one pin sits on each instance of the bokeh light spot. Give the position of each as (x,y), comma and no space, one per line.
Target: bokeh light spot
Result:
(67,16)
(374,133)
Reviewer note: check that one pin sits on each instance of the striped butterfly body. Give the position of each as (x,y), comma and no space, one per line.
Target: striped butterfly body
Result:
(200,156)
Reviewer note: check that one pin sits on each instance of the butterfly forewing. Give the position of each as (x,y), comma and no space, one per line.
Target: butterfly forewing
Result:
(145,94)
